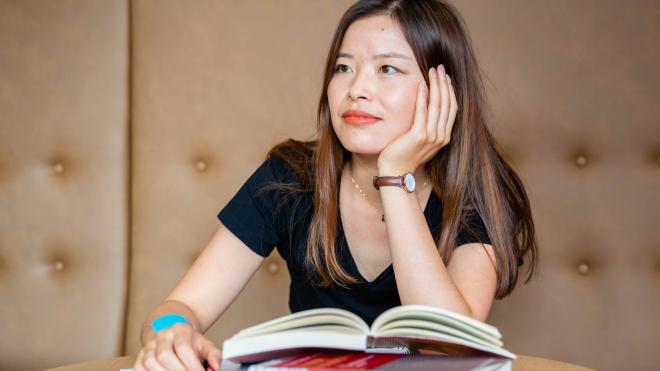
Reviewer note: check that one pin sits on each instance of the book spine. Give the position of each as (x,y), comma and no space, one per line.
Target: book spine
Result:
(387,346)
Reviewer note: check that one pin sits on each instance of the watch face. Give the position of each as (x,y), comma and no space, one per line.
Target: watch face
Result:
(409,181)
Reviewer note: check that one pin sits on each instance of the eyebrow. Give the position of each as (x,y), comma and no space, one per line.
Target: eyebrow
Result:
(384,55)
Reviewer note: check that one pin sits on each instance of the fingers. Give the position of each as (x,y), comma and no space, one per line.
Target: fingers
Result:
(207,350)
(434,105)
(166,356)
(444,106)
(184,350)
(139,361)
(174,350)
(452,111)
(421,105)
(150,360)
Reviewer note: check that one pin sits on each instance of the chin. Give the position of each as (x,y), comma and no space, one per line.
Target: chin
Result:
(361,142)
(363,148)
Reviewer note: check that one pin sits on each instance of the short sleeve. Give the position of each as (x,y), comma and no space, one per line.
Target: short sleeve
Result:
(250,215)
(474,232)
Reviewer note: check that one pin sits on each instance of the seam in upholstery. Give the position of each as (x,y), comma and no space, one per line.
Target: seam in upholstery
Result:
(129,176)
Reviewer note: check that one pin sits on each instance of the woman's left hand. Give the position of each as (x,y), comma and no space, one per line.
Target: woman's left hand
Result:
(431,128)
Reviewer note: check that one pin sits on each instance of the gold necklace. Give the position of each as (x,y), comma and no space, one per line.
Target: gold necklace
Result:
(382,215)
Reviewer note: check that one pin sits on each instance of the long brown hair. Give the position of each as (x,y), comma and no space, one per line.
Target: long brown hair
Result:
(468,174)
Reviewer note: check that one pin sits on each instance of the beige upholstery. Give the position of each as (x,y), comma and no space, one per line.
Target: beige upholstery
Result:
(125,126)
(64,191)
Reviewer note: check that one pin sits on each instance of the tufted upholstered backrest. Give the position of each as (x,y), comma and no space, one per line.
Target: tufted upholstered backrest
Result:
(125,127)
(64,181)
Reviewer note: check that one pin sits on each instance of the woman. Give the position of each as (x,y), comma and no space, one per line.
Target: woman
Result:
(402,98)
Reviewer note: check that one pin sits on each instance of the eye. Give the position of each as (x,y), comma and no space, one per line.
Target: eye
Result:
(386,66)
(338,68)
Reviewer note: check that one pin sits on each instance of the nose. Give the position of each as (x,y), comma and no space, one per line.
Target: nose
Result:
(360,87)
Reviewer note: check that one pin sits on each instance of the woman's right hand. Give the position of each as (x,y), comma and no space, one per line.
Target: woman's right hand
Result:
(178,348)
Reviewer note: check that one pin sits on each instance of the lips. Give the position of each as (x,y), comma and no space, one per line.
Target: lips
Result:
(355,117)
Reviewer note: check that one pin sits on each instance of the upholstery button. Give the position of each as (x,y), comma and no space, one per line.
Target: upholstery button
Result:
(583,268)
(581,161)
(58,265)
(58,168)
(200,165)
(273,267)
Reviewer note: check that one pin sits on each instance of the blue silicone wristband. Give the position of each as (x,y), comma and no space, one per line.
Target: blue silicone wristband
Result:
(166,321)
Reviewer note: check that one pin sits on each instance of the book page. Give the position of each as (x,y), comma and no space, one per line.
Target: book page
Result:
(297,323)
(309,317)
(392,328)
(447,344)
(437,315)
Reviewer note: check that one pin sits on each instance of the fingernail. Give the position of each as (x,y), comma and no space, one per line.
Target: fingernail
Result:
(442,69)
(432,72)
(449,79)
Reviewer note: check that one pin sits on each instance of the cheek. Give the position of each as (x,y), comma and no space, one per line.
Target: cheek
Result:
(401,107)
(333,98)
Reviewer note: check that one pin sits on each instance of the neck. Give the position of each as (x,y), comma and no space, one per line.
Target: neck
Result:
(363,168)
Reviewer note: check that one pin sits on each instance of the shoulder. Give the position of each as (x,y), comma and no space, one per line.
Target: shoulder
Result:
(291,161)
(276,167)
(274,176)
(472,229)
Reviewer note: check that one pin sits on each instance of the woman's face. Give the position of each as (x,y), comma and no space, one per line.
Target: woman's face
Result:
(384,86)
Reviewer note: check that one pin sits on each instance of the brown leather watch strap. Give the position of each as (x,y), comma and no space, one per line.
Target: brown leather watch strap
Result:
(380,181)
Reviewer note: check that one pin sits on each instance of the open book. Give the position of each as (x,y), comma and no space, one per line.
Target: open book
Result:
(408,329)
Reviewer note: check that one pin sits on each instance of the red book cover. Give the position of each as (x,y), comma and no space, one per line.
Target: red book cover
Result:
(322,361)
(351,361)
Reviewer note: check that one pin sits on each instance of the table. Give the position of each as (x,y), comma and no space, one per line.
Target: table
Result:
(522,363)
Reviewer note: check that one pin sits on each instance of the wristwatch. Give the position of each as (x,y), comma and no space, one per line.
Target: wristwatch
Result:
(405,181)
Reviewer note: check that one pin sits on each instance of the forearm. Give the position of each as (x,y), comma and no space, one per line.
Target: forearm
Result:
(168,307)
(421,275)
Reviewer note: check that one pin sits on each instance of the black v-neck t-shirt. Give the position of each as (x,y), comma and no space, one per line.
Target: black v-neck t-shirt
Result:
(267,219)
